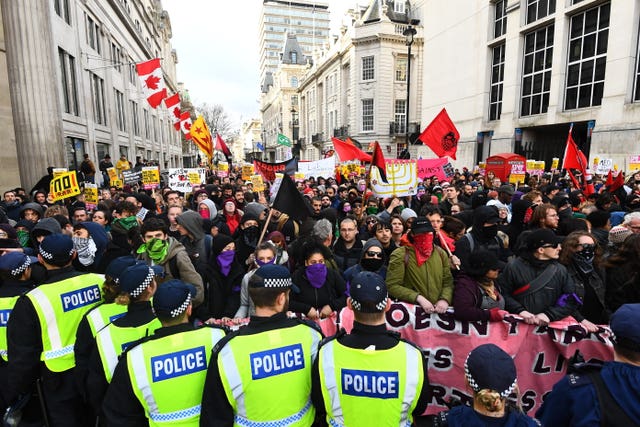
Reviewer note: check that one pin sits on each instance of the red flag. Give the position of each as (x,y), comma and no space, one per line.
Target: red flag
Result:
(185,124)
(574,180)
(348,151)
(441,135)
(617,183)
(221,146)
(377,160)
(173,105)
(609,179)
(152,81)
(573,157)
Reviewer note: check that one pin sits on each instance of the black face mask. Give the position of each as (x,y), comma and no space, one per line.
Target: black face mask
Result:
(488,232)
(565,213)
(584,259)
(250,236)
(371,264)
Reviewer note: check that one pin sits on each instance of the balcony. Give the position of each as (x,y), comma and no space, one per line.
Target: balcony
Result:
(317,137)
(341,132)
(397,128)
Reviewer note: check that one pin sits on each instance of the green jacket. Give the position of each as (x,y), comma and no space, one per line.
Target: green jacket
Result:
(433,279)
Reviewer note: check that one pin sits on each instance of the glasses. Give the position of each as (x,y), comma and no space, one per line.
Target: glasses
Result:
(554,246)
(372,221)
(373,254)
(553,216)
(357,205)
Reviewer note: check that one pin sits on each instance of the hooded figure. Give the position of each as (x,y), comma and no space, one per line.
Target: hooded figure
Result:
(90,249)
(210,212)
(43,228)
(247,236)
(484,234)
(192,236)
(372,259)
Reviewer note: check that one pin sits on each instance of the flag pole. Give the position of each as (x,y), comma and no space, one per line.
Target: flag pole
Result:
(393,182)
(266,224)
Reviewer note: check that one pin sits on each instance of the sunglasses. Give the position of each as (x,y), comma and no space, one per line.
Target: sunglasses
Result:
(372,221)
(554,246)
(374,254)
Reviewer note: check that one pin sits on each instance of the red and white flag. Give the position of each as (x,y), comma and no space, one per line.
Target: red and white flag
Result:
(173,105)
(185,124)
(152,81)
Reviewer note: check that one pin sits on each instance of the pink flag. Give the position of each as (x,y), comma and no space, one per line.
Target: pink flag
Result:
(173,105)
(185,124)
(152,81)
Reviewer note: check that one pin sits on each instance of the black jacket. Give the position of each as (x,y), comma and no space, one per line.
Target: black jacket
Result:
(333,292)
(590,288)
(344,257)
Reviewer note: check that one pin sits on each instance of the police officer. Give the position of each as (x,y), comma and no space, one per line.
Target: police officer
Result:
(99,317)
(42,330)
(137,286)
(370,376)
(602,394)
(15,276)
(261,374)
(160,380)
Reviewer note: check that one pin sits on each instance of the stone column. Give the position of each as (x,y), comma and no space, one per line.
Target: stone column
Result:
(33,86)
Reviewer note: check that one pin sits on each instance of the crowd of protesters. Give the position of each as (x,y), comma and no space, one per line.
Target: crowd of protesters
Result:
(472,243)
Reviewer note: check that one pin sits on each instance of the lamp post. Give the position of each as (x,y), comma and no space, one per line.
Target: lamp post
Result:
(409,34)
(294,132)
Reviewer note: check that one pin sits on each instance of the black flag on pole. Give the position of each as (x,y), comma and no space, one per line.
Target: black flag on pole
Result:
(289,200)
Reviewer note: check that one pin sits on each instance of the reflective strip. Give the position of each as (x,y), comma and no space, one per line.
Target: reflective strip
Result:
(4,353)
(277,423)
(177,415)
(230,368)
(329,371)
(95,319)
(59,352)
(51,323)
(315,342)
(140,372)
(108,354)
(411,383)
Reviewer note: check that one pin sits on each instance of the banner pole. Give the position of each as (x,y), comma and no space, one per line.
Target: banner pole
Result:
(266,224)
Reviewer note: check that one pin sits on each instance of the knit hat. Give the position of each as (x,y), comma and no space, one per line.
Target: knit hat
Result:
(368,292)
(491,368)
(11,232)
(254,208)
(172,298)
(618,234)
(219,242)
(408,213)
(371,243)
(15,263)
(57,249)
(480,262)
(271,276)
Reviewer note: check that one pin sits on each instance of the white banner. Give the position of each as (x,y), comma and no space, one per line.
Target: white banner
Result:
(604,166)
(180,179)
(324,168)
(402,177)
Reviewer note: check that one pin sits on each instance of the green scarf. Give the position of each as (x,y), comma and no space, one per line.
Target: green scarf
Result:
(127,223)
(23,238)
(155,248)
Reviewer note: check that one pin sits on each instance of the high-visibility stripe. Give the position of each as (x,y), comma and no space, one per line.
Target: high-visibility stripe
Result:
(108,352)
(176,416)
(411,383)
(277,423)
(331,385)
(140,371)
(51,323)
(233,376)
(58,352)
(95,319)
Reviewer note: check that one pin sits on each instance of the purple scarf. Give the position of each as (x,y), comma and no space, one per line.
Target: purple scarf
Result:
(225,259)
(317,275)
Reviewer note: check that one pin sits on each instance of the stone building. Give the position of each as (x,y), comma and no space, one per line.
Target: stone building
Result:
(73,87)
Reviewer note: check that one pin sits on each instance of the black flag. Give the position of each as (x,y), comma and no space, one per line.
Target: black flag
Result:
(289,200)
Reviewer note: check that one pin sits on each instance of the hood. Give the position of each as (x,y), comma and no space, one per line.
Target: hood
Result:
(50,225)
(31,205)
(483,214)
(624,378)
(213,211)
(519,210)
(192,221)
(98,234)
(254,208)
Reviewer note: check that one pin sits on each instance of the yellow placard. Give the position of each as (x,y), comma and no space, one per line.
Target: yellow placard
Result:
(531,164)
(65,185)
(194,178)
(257,182)
(555,162)
(91,195)
(150,177)
(539,165)
(247,171)
(299,176)
(59,171)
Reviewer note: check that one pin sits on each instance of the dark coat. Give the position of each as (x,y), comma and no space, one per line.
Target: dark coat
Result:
(333,292)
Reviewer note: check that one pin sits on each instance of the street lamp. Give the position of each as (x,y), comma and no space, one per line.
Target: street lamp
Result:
(409,34)
(294,132)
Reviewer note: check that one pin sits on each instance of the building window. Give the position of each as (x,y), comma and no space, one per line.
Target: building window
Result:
(115,57)
(636,96)
(99,105)
(587,62)
(536,78)
(538,9)
(401,69)
(294,100)
(69,86)
(135,118)
(102,149)
(368,68)
(497,79)
(294,81)
(132,72)
(294,57)
(147,128)
(400,115)
(93,34)
(367,115)
(500,21)
(155,129)
(62,10)
(399,6)
(121,120)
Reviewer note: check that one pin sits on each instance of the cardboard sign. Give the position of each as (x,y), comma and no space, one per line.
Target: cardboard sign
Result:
(440,168)
(90,195)
(604,166)
(247,171)
(257,183)
(64,186)
(131,177)
(634,163)
(180,179)
(150,177)
(323,168)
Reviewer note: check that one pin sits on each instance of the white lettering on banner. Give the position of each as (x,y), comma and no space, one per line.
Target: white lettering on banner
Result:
(276,361)
(177,364)
(80,298)
(381,385)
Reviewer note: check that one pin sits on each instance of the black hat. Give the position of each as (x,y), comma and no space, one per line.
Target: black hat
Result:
(624,324)
(368,292)
(107,156)
(271,276)
(219,243)
(542,236)
(560,200)
(486,214)
(506,188)
(172,298)
(421,225)
(56,249)
(15,263)
(118,266)
(491,368)
(136,278)
(480,262)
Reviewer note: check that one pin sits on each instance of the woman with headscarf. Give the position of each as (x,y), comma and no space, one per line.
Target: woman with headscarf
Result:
(491,376)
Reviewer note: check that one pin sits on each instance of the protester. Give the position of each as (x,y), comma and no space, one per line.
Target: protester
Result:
(622,272)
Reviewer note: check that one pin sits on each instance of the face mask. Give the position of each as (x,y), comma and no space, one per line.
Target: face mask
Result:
(371,264)
(489,232)
(346,209)
(565,213)
(86,249)
(250,236)
(204,213)
(420,193)
(225,259)
(155,248)
(317,274)
(372,210)
(127,223)
(584,258)
(423,245)
(361,188)
(263,263)
(23,238)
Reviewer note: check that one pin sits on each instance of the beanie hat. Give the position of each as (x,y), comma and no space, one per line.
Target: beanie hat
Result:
(219,242)
(618,234)
(408,213)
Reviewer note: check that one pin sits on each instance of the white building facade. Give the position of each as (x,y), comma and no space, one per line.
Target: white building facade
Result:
(514,74)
